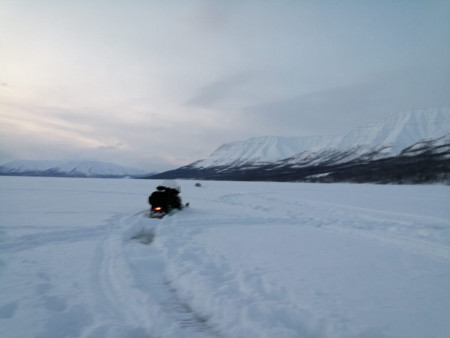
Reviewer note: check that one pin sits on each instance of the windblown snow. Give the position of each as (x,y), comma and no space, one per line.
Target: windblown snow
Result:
(81,258)
(390,137)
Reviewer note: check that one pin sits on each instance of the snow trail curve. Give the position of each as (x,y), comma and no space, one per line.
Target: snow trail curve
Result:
(132,288)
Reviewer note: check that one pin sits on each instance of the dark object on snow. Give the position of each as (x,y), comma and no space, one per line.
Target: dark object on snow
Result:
(165,199)
(198,184)
(160,198)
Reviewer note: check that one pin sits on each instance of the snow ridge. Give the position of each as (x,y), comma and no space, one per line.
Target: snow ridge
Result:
(387,138)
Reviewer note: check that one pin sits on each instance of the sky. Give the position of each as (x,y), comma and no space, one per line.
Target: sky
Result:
(159,84)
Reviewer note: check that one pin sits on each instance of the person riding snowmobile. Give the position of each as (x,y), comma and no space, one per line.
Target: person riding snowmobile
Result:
(166,196)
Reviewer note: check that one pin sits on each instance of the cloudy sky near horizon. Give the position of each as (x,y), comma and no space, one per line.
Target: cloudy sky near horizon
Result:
(159,84)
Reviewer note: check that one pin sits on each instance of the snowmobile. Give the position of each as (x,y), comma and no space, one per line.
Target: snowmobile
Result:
(165,199)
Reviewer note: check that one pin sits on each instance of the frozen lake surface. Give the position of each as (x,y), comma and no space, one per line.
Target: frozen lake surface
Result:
(81,258)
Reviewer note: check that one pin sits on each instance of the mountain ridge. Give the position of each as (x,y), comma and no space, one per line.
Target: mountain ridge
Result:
(396,133)
(388,143)
(93,169)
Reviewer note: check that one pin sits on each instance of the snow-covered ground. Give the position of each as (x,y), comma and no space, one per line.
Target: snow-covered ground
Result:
(80,258)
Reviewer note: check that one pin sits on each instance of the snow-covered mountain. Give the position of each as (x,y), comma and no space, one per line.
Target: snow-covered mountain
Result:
(301,158)
(386,138)
(68,169)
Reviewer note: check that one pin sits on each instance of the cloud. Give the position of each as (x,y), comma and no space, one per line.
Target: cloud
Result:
(164,83)
(339,109)
(221,90)
(209,16)
(116,146)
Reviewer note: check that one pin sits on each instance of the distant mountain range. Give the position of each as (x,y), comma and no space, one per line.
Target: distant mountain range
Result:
(412,147)
(69,169)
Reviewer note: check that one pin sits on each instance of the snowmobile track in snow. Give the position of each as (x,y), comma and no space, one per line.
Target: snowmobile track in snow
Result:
(406,231)
(131,285)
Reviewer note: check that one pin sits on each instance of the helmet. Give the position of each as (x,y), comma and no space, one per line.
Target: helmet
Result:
(172,184)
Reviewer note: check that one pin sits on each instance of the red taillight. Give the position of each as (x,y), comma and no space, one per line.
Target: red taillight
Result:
(157,209)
